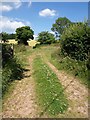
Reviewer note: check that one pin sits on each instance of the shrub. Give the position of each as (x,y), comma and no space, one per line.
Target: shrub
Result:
(75,41)
(7,53)
(11,68)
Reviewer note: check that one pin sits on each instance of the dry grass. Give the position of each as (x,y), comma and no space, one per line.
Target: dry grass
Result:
(32,43)
(12,41)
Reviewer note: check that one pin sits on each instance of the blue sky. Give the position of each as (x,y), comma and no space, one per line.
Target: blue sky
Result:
(40,15)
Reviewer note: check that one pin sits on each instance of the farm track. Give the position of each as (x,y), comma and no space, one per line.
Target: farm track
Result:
(22,102)
(77,93)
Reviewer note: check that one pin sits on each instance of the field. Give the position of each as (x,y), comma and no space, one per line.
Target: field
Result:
(31,43)
(45,90)
(12,41)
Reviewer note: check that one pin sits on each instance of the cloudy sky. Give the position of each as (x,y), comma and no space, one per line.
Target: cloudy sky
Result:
(39,15)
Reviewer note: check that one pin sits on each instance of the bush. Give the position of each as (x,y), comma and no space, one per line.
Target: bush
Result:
(11,69)
(75,41)
(7,53)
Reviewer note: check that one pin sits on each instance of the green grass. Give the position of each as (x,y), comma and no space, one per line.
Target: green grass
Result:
(49,90)
(15,67)
(23,52)
(12,71)
(71,66)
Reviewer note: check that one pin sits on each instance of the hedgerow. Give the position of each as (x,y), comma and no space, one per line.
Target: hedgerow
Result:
(75,41)
(11,68)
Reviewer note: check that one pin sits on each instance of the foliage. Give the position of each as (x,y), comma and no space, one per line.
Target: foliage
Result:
(7,53)
(23,34)
(75,41)
(49,90)
(11,71)
(4,36)
(11,36)
(11,68)
(59,25)
(46,38)
(71,66)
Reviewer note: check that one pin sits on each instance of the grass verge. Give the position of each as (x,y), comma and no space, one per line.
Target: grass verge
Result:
(49,90)
(14,68)
(71,66)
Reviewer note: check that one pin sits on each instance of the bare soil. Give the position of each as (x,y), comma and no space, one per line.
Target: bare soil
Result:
(22,101)
(77,94)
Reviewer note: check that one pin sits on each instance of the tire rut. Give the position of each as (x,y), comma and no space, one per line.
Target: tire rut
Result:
(22,101)
(77,94)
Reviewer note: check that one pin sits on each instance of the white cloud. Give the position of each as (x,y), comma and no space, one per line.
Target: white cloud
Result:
(7,6)
(9,25)
(10,0)
(48,0)
(17,4)
(47,12)
(29,3)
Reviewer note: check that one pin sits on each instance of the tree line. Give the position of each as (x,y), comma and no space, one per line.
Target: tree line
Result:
(74,37)
(25,33)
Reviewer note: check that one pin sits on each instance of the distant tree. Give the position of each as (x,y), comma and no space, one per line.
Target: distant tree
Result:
(60,24)
(46,38)
(23,34)
(11,36)
(4,36)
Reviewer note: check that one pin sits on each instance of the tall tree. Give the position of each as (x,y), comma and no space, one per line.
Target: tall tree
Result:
(59,25)
(46,38)
(23,34)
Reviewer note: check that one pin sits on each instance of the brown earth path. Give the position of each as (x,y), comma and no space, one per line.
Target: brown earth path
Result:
(22,102)
(77,94)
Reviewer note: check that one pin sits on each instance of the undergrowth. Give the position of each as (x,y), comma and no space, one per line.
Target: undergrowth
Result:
(72,66)
(12,68)
(12,71)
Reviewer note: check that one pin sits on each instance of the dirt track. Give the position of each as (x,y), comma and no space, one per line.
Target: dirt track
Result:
(22,101)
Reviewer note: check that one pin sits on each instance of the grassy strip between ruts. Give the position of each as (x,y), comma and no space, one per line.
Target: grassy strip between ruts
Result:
(49,90)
